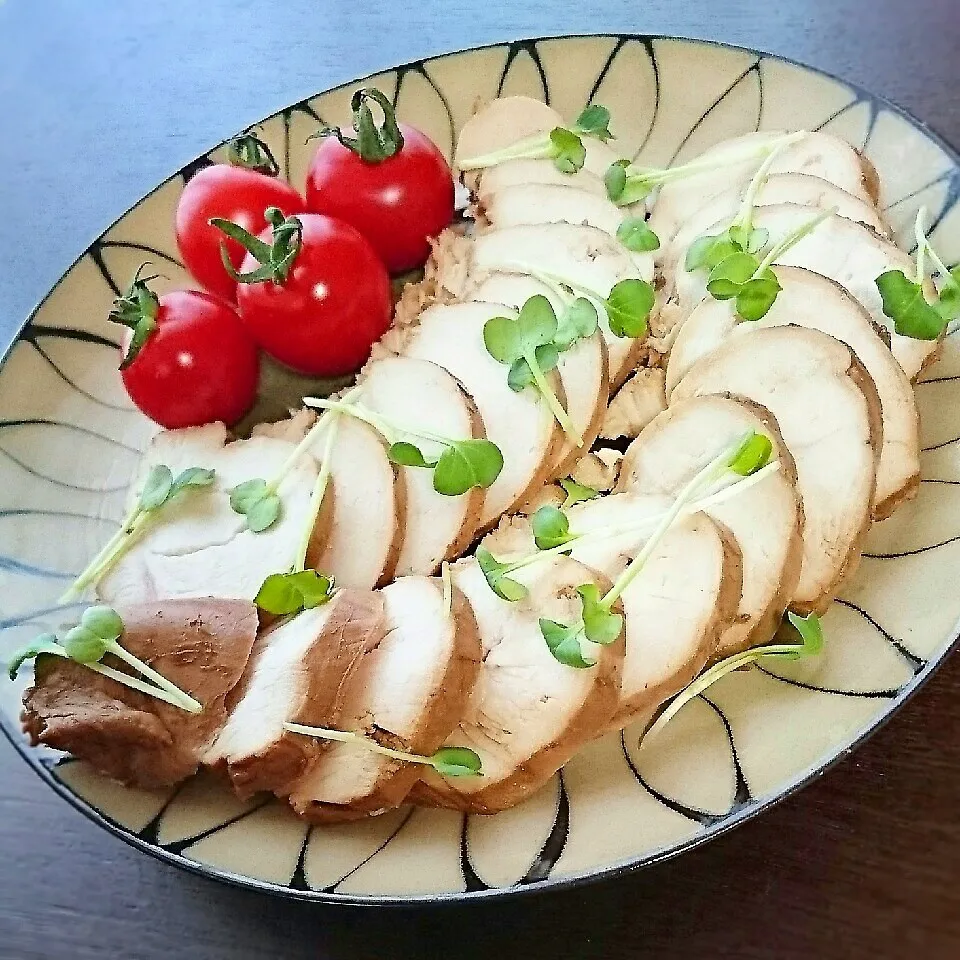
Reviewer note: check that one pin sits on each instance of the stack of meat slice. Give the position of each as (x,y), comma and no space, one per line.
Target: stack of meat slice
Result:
(417,661)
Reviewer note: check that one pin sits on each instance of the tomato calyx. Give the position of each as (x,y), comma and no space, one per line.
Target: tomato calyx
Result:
(248,151)
(137,310)
(275,259)
(373,144)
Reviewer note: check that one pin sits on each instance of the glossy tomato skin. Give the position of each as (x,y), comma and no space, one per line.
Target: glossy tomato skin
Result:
(396,204)
(199,364)
(334,304)
(232,193)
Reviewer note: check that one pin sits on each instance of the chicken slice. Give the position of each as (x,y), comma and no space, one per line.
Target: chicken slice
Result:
(363,512)
(582,369)
(299,672)
(846,252)
(508,120)
(584,257)
(407,693)
(829,416)
(815,154)
(202,645)
(516,173)
(766,521)
(635,404)
(810,300)
(520,424)
(423,396)
(528,713)
(198,546)
(799,188)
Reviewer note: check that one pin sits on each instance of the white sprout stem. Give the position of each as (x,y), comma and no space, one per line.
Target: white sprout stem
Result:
(447,584)
(553,402)
(185,700)
(345,736)
(707,475)
(308,440)
(114,548)
(792,239)
(716,498)
(744,217)
(386,428)
(921,237)
(658,175)
(536,147)
(148,688)
(319,491)
(715,673)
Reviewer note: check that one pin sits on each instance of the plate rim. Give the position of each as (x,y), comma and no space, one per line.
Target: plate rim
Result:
(573,880)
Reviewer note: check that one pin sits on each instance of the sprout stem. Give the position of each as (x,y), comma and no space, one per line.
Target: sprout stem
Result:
(556,408)
(791,240)
(536,147)
(345,736)
(184,699)
(319,491)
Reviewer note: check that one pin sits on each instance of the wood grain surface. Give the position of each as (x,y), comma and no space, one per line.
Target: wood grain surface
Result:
(102,99)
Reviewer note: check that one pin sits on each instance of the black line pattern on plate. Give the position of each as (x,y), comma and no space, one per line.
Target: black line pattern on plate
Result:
(179,846)
(753,68)
(67,380)
(23,619)
(142,247)
(12,565)
(35,331)
(856,99)
(403,72)
(916,663)
(860,694)
(151,831)
(553,846)
(299,879)
(529,47)
(911,553)
(190,170)
(333,886)
(43,422)
(943,443)
(701,817)
(471,880)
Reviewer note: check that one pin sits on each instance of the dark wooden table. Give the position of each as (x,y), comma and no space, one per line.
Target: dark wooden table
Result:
(102,99)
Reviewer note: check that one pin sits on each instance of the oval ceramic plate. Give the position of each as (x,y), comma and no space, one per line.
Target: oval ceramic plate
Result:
(70,439)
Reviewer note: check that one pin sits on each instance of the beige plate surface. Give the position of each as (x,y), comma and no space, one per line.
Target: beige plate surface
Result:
(69,443)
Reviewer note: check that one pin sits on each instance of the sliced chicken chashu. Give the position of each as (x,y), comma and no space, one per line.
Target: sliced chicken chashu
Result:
(582,369)
(520,424)
(506,121)
(799,188)
(539,203)
(829,417)
(810,300)
(677,608)
(423,396)
(586,258)
(514,173)
(766,520)
(528,713)
(635,404)
(200,546)
(363,512)
(846,252)
(816,154)
(407,693)
(202,645)
(298,673)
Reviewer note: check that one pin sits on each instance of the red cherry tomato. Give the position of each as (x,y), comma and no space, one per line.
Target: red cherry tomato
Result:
(196,363)
(333,304)
(397,200)
(233,193)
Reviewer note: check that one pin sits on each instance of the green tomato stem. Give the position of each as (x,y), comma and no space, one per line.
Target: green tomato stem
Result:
(537,147)
(184,699)
(345,736)
(791,240)
(316,498)
(556,407)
